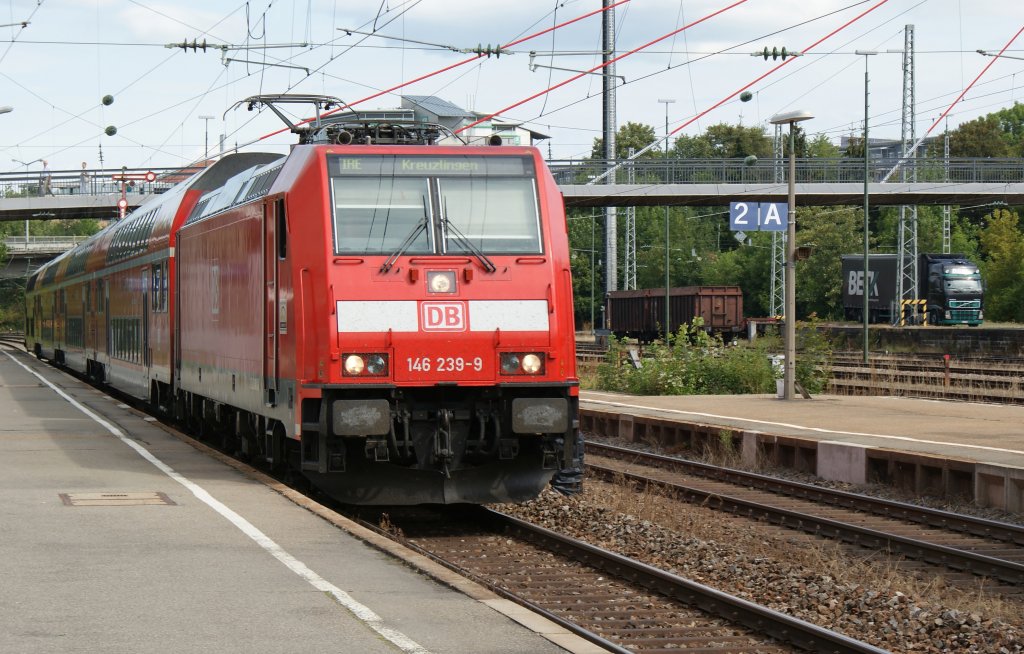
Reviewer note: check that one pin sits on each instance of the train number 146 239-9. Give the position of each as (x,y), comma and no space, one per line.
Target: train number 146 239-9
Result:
(444,364)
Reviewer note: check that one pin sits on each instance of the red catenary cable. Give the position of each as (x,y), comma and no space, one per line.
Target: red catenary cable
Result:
(910,153)
(447,68)
(743,88)
(598,67)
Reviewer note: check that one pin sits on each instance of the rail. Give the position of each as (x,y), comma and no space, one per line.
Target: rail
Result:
(758,619)
(846,525)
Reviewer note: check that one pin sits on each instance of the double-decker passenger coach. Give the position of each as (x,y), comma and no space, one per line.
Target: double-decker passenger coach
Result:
(391,318)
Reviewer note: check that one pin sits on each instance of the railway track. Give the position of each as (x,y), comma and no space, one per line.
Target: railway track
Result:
(12,338)
(618,603)
(968,546)
(978,379)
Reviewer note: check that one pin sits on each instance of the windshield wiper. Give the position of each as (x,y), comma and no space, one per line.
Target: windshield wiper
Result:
(409,240)
(461,239)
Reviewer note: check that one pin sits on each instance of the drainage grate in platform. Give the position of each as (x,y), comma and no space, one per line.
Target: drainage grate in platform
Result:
(115,499)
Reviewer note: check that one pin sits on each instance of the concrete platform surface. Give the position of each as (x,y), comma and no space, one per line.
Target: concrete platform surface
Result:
(984,433)
(229,565)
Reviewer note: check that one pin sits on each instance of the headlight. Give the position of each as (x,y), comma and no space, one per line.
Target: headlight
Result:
(441,281)
(522,363)
(510,364)
(354,364)
(376,364)
(371,364)
(531,364)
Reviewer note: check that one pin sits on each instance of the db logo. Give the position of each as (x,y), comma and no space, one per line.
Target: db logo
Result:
(443,316)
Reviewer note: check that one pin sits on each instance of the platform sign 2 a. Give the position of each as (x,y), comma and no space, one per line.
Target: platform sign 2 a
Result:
(758,216)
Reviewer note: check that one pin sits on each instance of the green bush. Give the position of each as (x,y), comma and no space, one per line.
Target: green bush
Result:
(696,363)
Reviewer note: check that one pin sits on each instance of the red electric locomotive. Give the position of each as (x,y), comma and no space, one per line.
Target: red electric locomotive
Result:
(392,318)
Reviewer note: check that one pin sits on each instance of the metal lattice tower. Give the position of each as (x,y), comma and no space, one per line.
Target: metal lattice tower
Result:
(946,209)
(906,286)
(629,256)
(778,240)
(610,216)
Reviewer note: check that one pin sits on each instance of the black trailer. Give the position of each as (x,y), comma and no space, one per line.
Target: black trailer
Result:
(882,271)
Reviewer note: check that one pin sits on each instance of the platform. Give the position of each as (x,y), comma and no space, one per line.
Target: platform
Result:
(117,536)
(957,449)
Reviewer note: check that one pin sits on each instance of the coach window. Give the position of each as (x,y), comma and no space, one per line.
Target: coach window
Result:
(163,286)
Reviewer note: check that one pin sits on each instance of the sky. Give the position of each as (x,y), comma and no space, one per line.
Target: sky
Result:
(55,71)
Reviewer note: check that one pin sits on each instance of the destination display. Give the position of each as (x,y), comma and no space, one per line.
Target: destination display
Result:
(420,166)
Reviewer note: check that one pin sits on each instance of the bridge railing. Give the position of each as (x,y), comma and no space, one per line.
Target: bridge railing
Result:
(644,171)
(94,182)
(770,171)
(41,244)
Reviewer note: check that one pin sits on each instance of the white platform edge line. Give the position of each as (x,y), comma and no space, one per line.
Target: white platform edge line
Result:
(819,430)
(357,609)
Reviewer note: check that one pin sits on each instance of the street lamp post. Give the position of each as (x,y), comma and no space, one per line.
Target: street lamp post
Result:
(668,326)
(206,137)
(593,248)
(867,279)
(789,290)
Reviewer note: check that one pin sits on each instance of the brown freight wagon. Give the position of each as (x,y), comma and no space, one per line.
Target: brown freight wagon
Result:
(640,314)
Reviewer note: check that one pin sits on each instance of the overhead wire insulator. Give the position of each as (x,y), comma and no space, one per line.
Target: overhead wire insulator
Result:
(185,45)
(486,51)
(775,53)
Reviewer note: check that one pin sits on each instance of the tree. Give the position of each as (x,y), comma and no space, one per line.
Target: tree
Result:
(586,240)
(1011,123)
(631,135)
(831,232)
(981,137)
(1002,268)
(822,146)
(724,141)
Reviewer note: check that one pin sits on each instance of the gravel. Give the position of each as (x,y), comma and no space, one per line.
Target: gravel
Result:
(804,577)
(873,490)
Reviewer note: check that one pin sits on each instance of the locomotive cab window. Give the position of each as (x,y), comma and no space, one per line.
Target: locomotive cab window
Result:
(424,204)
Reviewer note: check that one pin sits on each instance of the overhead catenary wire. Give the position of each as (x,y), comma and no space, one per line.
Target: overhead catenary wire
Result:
(446,68)
(740,90)
(404,6)
(910,153)
(692,61)
(602,65)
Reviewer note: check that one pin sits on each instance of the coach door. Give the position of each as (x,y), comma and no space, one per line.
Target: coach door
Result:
(145,317)
(105,299)
(274,251)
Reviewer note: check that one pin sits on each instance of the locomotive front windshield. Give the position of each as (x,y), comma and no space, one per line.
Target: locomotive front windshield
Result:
(434,205)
